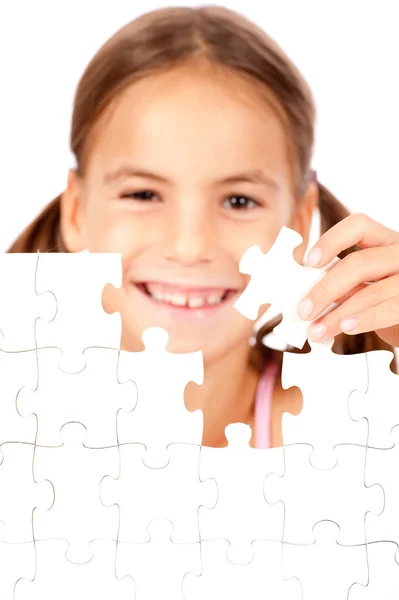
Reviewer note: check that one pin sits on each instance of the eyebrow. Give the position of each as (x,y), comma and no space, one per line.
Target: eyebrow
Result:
(256,176)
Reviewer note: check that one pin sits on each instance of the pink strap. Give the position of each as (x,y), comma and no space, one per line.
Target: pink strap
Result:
(263,402)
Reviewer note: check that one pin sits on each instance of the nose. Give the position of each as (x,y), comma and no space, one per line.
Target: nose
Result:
(191,238)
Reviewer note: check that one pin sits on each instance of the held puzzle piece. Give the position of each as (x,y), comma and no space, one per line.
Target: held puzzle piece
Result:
(277,279)
(64,491)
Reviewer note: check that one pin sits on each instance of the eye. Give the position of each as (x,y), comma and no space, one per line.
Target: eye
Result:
(140,196)
(241,202)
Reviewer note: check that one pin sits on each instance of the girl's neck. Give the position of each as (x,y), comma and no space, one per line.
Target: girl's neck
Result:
(226,396)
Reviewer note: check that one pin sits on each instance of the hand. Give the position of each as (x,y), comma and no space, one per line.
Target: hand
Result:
(365,283)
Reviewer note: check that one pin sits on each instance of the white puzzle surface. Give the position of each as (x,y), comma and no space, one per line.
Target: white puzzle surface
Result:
(107,492)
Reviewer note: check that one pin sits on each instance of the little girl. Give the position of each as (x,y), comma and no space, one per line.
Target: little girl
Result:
(193,137)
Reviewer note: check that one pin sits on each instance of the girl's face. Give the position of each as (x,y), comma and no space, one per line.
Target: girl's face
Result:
(184,173)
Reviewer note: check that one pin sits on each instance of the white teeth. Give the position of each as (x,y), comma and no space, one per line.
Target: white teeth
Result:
(196,302)
(214,299)
(157,295)
(179,299)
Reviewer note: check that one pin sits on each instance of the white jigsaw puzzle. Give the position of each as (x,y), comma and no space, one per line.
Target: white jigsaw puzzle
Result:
(311,495)
(318,424)
(17,369)
(160,417)
(258,579)
(57,578)
(17,561)
(91,396)
(122,420)
(23,495)
(383,582)
(382,466)
(20,306)
(325,568)
(77,513)
(174,492)
(158,567)
(241,514)
(77,281)
(268,285)
(379,402)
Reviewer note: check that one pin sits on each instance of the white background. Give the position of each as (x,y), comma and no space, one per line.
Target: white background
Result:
(347,49)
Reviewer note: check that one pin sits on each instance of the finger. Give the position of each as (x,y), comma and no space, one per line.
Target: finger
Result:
(357,229)
(352,292)
(371,264)
(364,302)
(377,317)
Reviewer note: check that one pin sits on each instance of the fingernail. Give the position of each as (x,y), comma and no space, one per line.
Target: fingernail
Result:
(316,332)
(348,324)
(305,309)
(314,257)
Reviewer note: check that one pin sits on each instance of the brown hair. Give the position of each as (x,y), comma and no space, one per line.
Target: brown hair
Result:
(165,38)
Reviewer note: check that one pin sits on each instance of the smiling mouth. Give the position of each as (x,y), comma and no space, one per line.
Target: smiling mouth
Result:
(193,299)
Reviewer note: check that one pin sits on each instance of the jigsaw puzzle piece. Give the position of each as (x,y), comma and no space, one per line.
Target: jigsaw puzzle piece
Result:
(17,370)
(174,492)
(277,279)
(326,380)
(259,579)
(16,560)
(325,568)
(91,397)
(383,581)
(77,514)
(382,467)
(77,281)
(158,567)
(379,403)
(20,494)
(338,494)
(266,270)
(58,578)
(160,417)
(241,514)
(19,304)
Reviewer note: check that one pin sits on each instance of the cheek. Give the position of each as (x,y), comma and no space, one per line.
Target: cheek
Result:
(111,231)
